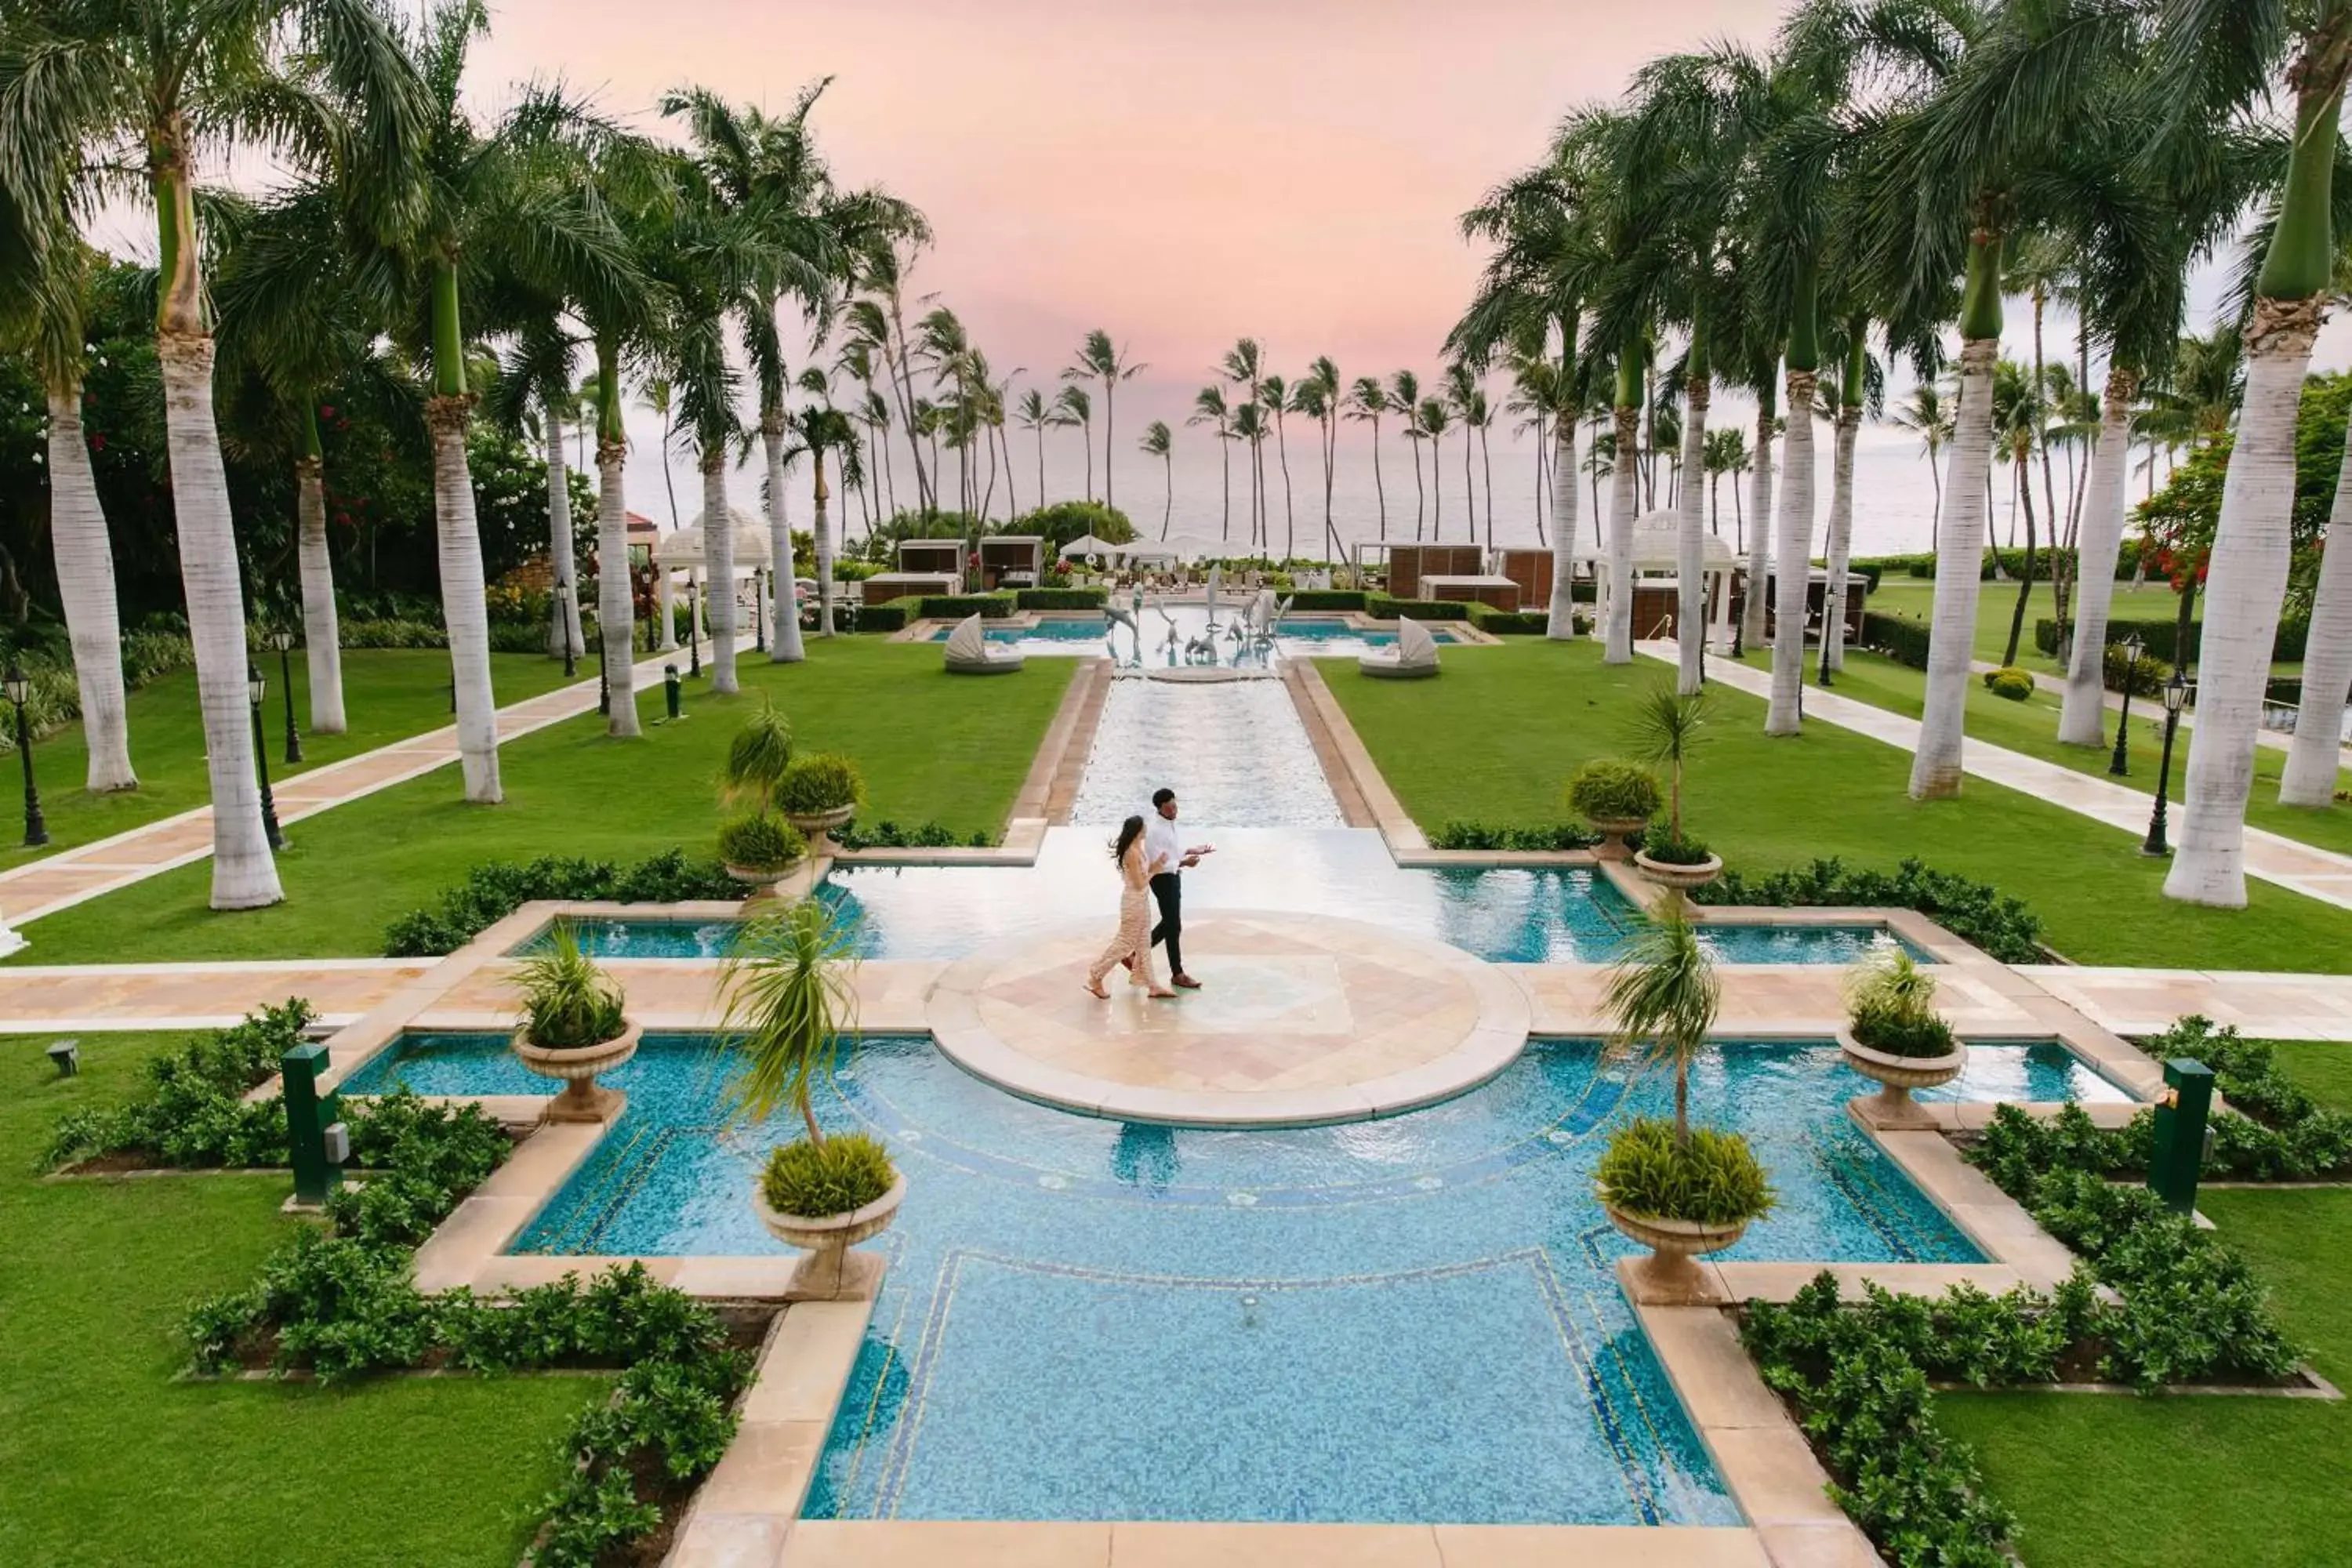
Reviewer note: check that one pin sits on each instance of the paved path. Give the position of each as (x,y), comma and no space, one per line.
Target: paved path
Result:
(58,882)
(2151,708)
(2317,873)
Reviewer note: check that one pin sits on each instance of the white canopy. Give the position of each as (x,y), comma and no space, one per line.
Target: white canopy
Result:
(1657,546)
(682,550)
(1087,545)
(1137,552)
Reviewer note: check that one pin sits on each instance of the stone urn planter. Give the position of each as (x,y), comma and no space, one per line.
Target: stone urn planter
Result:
(582,1100)
(1892,1107)
(1619,835)
(759,878)
(1677,878)
(1669,1276)
(815,825)
(830,1271)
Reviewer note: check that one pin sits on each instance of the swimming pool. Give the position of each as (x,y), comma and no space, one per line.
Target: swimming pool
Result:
(1229,643)
(1414,1319)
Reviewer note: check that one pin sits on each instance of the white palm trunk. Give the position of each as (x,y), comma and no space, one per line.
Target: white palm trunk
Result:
(1935,766)
(1561,622)
(322,649)
(1840,547)
(2083,720)
(1791,552)
(563,627)
(1760,538)
(2316,751)
(1690,545)
(464,605)
(664,609)
(245,874)
(784,609)
(86,583)
(822,529)
(615,604)
(719,557)
(1624,496)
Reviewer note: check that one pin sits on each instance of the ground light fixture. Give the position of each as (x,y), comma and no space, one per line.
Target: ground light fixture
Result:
(563,629)
(256,689)
(759,612)
(2175,696)
(19,689)
(670,688)
(67,1055)
(282,639)
(2118,765)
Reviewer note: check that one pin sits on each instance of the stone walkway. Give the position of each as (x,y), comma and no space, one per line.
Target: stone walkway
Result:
(2316,873)
(58,882)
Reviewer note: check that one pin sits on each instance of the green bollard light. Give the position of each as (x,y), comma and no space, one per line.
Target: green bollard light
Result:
(670,688)
(2178,1152)
(317,1173)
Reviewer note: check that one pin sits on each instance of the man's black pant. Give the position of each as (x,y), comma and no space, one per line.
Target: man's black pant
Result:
(1169,889)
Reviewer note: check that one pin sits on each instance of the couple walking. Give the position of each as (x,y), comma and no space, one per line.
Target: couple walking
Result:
(1151,860)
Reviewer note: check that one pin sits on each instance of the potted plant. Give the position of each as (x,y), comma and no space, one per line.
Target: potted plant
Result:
(758,848)
(756,758)
(1666,727)
(1679,1191)
(817,793)
(1894,1035)
(788,999)
(1618,798)
(573,1028)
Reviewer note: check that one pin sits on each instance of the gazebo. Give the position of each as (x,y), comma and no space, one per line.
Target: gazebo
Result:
(1657,584)
(683,551)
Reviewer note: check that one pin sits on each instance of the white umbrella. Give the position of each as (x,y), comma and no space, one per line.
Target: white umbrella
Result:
(1086,545)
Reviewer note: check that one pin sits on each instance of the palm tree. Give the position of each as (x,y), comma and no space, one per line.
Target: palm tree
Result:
(527,398)
(1037,417)
(122,85)
(1249,425)
(1725,453)
(1434,420)
(1366,403)
(1079,409)
(1860,390)
(1277,393)
(1625,500)
(815,429)
(1665,992)
(1405,399)
(1209,408)
(1317,395)
(2018,416)
(1927,417)
(1099,362)
(1161,443)
(1244,368)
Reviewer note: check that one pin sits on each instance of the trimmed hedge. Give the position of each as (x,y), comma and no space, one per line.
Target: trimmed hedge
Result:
(956,607)
(1923,565)
(1509,623)
(1060,598)
(884,618)
(495,888)
(2157,637)
(1327,599)
(1972,910)
(1904,641)
(1382,607)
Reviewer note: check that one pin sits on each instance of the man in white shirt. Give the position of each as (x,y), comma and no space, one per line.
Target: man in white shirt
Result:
(1168,856)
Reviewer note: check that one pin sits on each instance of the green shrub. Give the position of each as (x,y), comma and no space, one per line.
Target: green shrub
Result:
(1480,835)
(1062,598)
(956,607)
(1606,790)
(567,1004)
(819,782)
(1509,623)
(758,842)
(191,1110)
(2157,638)
(1713,1180)
(1890,1007)
(1904,641)
(2146,674)
(889,834)
(2010,682)
(815,1181)
(1066,522)
(1327,599)
(495,888)
(1974,911)
(1381,608)
(884,618)
(1661,844)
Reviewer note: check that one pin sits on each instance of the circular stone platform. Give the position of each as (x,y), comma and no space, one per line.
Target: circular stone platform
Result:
(1300,1019)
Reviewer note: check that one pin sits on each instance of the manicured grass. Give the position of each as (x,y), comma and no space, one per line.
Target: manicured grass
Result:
(932,746)
(1914,598)
(2322,1068)
(111,1462)
(1495,738)
(389,694)
(2032,726)
(2195,1480)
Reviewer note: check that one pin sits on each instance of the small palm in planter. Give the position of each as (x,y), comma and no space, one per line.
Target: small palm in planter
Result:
(790,998)
(1618,799)
(1667,726)
(573,1028)
(756,758)
(1892,1034)
(817,793)
(1679,1191)
(759,849)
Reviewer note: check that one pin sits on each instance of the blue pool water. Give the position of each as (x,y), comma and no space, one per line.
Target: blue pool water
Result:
(1412,1318)
(1300,636)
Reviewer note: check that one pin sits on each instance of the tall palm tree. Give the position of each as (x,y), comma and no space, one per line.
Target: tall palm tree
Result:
(1101,363)
(1159,442)
(1405,399)
(1209,407)
(816,429)
(1366,403)
(1726,452)
(1435,419)
(1276,394)
(1928,417)
(1079,410)
(1037,417)
(1317,396)
(1244,368)
(1861,390)
(529,397)
(133,84)
(1250,426)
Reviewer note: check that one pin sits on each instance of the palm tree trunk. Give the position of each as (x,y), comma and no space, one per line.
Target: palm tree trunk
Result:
(785,607)
(1487,465)
(1225,456)
(563,625)
(245,875)
(465,610)
(1168,508)
(1379,486)
(1624,496)
(85,560)
(1791,556)
(1543,491)
(2083,719)
(1420,495)
(1760,544)
(1289,517)
(1559,623)
(321,637)
(1840,550)
(1690,557)
(2313,757)
(1086,439)
(1935,766)
(823,532)
(2026,580)
(719,561)
(1110,410)
(616,632)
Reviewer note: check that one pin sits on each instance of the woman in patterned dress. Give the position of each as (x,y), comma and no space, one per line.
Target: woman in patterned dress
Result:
(1132,944)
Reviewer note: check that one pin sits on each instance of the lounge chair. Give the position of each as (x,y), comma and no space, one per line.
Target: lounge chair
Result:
(1414,657)
(969,652)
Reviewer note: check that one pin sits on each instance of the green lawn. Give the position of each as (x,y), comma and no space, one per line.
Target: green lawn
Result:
(2032,726)
(933,747)
(111,1463)
(1496,737)
(389,694)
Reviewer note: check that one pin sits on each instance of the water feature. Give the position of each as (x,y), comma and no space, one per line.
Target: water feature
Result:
(1224,643)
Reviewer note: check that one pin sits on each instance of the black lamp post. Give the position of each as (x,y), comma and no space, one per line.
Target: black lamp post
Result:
(759,612)
(564,628)
(2176,695)
(37,832)
(2115,764)
(256,689)
(694,626)
(281,639)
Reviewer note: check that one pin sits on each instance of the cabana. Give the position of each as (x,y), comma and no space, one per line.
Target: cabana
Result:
(1012,560)
(932,556)
(885,586)
(1657,588)
(1414,657)
(969,653)
(1409,563)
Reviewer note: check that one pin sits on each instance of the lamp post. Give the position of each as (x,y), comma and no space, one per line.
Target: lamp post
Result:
(758,611)
(256,689)
(2176,695)
(694,625)
(282,639)
(564,628)
(2115,764)
(37,832)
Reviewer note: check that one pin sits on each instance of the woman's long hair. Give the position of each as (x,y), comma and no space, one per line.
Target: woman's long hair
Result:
(1128,832)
